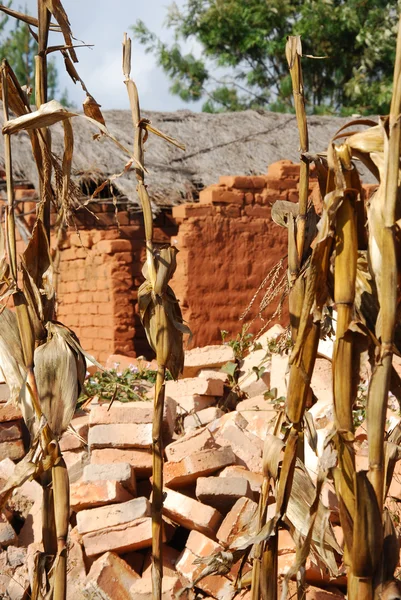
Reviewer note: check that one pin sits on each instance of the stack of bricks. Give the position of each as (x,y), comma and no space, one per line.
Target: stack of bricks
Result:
(213,473)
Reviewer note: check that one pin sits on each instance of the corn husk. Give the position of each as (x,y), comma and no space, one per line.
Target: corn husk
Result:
(161,314)
(59,372)
(11,355)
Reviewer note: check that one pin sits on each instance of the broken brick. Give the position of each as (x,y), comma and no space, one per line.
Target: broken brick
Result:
(110,578)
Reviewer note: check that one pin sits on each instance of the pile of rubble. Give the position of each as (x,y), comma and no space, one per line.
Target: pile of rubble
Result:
(212,476)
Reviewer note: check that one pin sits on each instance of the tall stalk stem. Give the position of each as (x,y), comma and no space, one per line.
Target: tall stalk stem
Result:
(157,496)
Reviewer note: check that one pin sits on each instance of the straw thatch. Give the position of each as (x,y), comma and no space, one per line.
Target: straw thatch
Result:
(219,144)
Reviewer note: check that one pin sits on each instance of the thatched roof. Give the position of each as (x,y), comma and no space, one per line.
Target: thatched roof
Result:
(220,144)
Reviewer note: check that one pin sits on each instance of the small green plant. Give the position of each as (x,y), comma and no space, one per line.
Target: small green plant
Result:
(131,385)
(241,343)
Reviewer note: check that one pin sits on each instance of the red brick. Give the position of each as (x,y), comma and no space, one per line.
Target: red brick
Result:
(12,449)
(122,472)
(172,587)
(121,435)
(189,386)
(202,417)
(141,460)
(222,492)
(190,513)
(96,519)
(258,212)
(120,538)
(169,557)
(202,463)
(9,412)
(191,442)
(110,578)
(215,193)
(134,413)
(237,520)
(112,246)
(96,493)
(184,211)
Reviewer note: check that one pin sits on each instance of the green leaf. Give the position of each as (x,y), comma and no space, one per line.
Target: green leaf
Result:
(229,368)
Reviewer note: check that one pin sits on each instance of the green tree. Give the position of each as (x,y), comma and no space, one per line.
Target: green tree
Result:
(348,47)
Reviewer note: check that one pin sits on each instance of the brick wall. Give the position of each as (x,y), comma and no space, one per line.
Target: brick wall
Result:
(228,243)
(99,275)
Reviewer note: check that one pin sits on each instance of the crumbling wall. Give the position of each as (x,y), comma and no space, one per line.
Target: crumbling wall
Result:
(228,243)
(99,277)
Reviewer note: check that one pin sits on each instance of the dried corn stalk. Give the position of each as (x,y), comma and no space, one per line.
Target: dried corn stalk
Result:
(160,314)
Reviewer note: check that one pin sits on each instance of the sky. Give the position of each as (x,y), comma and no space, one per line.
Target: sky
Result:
(103,24)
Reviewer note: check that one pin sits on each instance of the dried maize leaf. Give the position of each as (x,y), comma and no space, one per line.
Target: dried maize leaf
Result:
(11,355)
(147,125)
(57,379)
(299,507)
(272,456)
(25,470)
(390,554)
(161,314)
(58,12)
(367,528)
(92,109)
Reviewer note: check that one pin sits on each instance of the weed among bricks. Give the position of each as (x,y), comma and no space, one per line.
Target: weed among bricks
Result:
(129,385)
